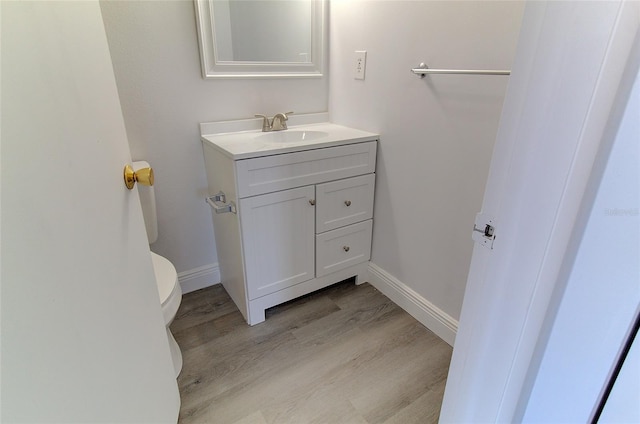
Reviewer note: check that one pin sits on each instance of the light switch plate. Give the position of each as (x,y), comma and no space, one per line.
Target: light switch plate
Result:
(360,64)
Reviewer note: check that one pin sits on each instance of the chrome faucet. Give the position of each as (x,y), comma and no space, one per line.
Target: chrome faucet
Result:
(277,123)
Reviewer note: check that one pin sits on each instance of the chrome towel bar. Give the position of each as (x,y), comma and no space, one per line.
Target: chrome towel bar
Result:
(423,70)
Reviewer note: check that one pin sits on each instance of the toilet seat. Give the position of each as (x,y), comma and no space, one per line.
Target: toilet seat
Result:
(170,296)
(168,286)
(169,290)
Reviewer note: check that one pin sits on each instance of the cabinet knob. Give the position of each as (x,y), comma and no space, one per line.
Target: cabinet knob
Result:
(345,248)
(312,202)
(347,202)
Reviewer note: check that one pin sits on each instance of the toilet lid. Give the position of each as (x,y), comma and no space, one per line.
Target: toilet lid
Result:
(166,276)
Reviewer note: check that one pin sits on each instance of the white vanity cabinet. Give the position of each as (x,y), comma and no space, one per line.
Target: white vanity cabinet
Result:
(290,223)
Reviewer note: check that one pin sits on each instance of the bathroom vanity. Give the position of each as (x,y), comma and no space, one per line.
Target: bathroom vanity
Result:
(292,210)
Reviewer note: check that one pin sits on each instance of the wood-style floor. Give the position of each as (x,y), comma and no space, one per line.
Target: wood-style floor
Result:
(345,354)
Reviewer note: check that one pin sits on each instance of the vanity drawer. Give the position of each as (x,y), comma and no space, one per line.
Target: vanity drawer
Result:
(344,202)
(280,172)
(342,248)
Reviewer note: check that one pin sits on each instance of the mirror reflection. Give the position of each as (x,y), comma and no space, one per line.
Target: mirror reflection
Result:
(261,38)
(263,30)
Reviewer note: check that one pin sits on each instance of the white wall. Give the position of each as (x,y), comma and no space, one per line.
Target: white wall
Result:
(437,134)
(155,55)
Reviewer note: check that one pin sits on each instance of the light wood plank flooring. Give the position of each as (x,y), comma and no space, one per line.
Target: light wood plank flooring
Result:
(345,354)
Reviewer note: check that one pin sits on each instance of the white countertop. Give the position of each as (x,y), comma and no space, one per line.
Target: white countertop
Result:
(251,144)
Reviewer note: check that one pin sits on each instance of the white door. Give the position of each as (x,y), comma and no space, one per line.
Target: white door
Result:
(568,67)
(83,337)
(278,239)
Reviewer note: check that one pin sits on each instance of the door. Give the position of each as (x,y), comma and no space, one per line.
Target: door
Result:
(568,69)
(83,338)
(278,239)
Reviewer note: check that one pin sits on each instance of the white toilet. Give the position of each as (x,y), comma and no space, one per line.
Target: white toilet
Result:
(166,275)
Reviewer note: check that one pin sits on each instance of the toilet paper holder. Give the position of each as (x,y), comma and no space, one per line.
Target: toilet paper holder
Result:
(218,203)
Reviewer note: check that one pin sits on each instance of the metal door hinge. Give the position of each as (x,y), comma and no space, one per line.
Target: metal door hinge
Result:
(484,230)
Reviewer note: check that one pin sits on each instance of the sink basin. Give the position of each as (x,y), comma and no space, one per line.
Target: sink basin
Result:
(292,136)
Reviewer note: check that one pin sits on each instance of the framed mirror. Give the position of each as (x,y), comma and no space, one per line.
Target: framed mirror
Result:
(261,38)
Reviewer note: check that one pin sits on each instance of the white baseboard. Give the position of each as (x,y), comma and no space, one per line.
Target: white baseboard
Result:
(429,315)
(199,278)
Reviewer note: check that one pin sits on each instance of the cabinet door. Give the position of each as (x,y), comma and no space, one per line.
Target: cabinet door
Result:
(278,239)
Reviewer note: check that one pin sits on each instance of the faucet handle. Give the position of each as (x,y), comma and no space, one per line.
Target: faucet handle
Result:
(266,126)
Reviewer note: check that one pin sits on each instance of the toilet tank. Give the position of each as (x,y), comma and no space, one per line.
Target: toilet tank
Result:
(148,203)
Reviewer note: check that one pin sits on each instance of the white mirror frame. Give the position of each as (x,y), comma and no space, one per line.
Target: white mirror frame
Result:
(214,68)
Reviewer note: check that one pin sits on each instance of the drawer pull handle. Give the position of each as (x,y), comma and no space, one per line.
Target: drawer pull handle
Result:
(347,202)
(312,202)
(346,248)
